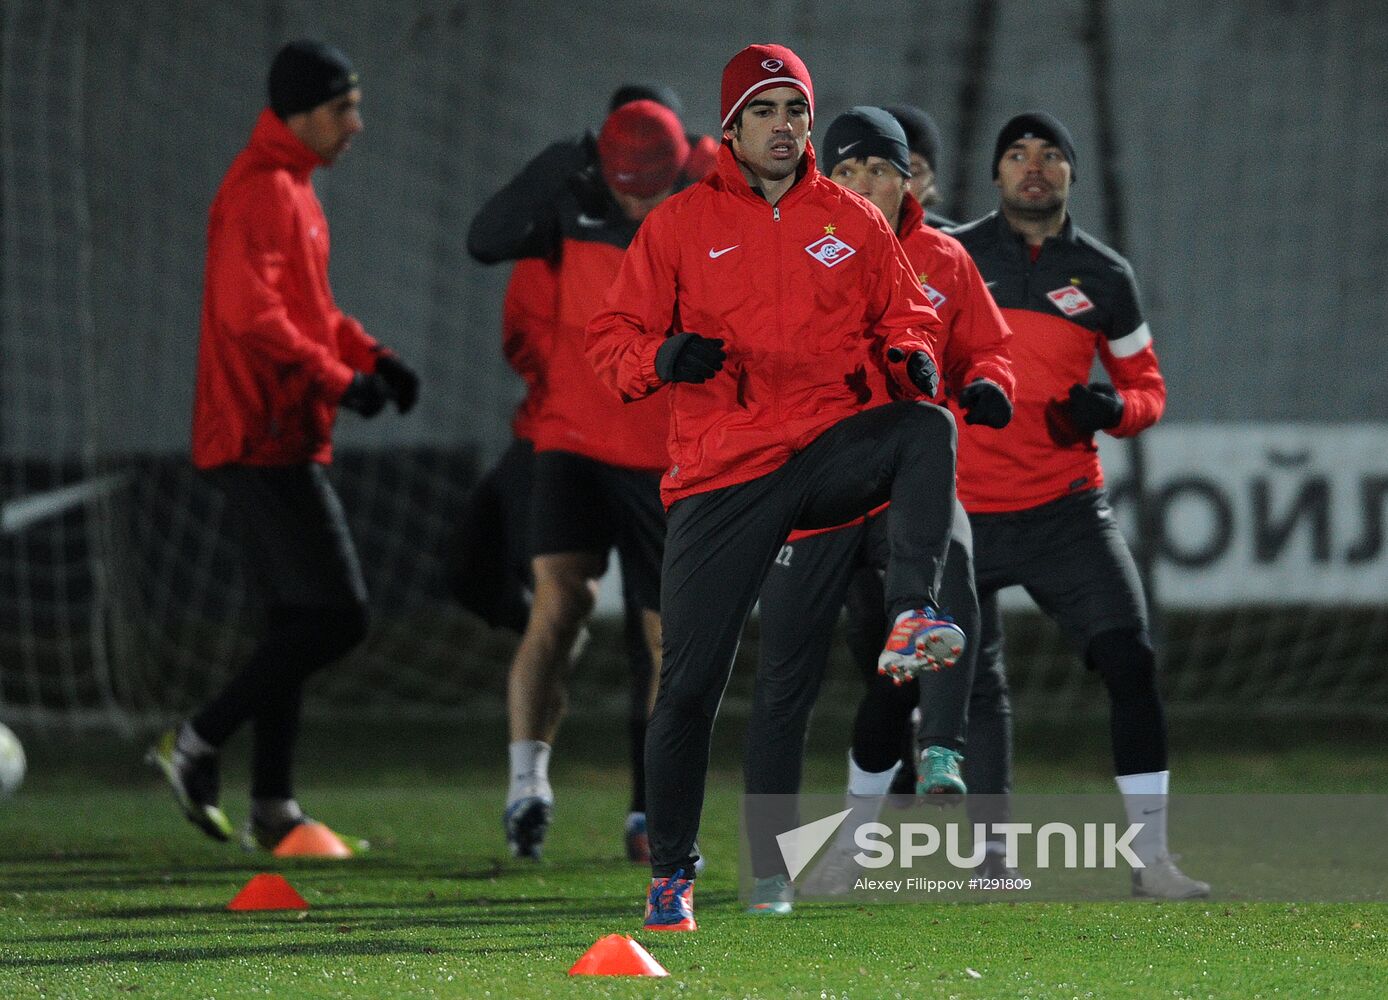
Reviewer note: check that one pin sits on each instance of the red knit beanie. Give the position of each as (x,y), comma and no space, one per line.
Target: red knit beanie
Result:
(642,148)
(762,67)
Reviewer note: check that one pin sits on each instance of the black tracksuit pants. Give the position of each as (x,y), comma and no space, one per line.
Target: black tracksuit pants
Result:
(800,603)
(718,548)
(300,558)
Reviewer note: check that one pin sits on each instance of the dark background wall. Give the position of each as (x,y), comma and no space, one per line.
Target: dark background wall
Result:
(1250,140)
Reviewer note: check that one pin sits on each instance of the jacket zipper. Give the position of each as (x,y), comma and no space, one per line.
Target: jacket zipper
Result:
(780,313)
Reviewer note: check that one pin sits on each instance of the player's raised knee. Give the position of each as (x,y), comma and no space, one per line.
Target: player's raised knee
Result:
(931,422)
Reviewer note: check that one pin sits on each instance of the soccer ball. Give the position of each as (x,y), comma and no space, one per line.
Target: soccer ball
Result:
(11,761)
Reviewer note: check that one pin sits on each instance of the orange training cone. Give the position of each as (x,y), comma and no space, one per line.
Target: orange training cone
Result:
(617,955)
(268,892)
(311,840)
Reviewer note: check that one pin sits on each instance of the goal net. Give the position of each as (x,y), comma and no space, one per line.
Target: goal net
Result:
(1230,152)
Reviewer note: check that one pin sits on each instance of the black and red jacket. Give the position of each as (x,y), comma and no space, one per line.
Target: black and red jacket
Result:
(558,218)
(1076,298)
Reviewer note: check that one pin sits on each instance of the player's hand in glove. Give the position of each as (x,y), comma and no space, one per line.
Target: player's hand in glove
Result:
(402,380)
(1095,407)
(920,369)
(366,394)
(1089,408)
(688,357)
(985,403)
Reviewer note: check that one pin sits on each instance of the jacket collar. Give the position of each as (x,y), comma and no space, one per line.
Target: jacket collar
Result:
(912,217)
(730,174)
(1010,237)
(272,139)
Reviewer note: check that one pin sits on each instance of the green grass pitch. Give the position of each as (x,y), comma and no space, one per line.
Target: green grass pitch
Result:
(106,892)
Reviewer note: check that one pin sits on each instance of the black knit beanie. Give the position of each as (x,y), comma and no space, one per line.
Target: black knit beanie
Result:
(862,132)
(922,134)
(307,73)
(1035,125)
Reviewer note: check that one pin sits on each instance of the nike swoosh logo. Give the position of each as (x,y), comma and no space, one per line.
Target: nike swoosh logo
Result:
(844,149)
(1148,812)
(715,254)
(989,284)
(588,222)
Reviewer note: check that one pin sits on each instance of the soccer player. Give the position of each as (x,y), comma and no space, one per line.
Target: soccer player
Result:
(489,567)
(866,152)
(277,358)
(1035,491)
(597,462)
(761,299)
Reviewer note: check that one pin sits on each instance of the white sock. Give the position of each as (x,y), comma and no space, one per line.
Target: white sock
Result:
(865,809)
(276,812)
(865,797)
(529,770)
(1144,800)
(190,744)
(862,782)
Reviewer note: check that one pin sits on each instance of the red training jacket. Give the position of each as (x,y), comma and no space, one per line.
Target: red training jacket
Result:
(807,296)
(275,353)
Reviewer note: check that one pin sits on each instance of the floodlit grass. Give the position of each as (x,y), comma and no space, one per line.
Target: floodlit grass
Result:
(105,891)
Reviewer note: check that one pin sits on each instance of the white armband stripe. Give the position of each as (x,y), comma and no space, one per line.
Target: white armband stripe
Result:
(1126,347)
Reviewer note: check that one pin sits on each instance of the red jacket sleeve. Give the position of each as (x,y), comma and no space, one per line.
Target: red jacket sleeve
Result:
(1127,355)
(635,318)
(258,238)
(979,338)
(903,321)
(1139,381)
(358,349)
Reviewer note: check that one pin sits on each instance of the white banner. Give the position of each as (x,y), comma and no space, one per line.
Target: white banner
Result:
(1261,513)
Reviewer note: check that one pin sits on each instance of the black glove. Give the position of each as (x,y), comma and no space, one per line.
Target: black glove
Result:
(1089,408)
(366,394)
(400,377)
(688,357)
(985,403)
(1095,407)
(920,369)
